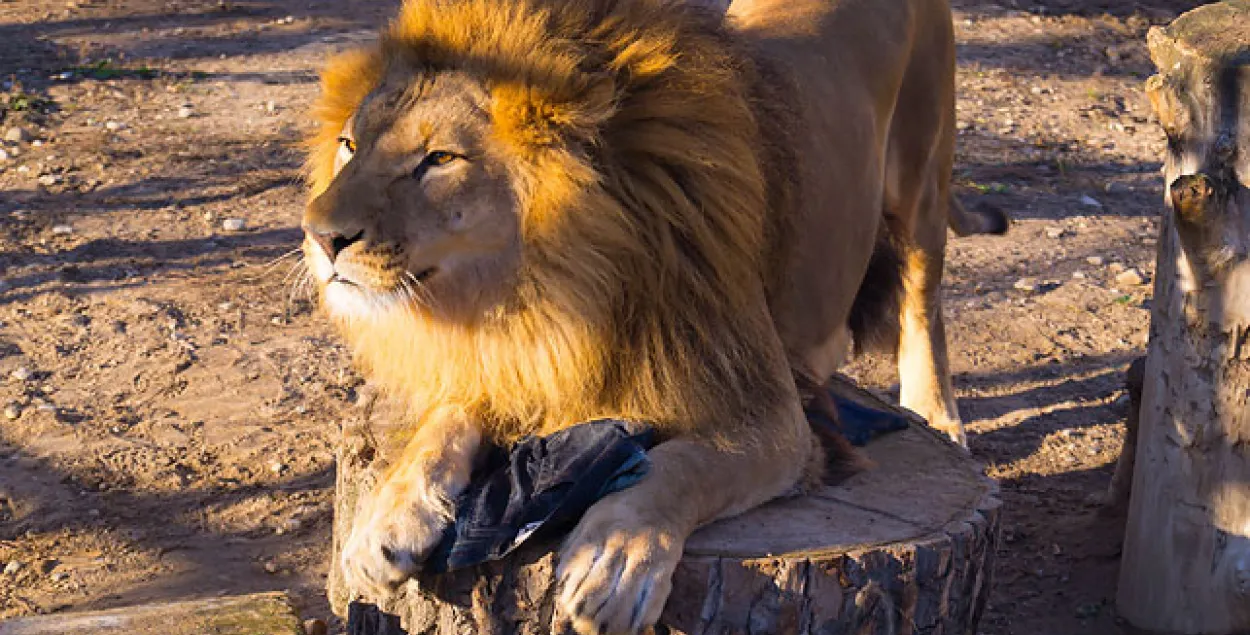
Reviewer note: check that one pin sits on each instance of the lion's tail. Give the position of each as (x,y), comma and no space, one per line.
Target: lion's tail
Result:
(983,218)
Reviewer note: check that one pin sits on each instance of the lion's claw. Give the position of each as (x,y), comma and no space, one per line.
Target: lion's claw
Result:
(615,575)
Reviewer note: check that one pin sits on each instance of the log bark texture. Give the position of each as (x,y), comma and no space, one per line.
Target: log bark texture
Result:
(905,547)
(1186,556)
(257,614)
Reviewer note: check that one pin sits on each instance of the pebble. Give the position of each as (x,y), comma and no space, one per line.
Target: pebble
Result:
(1094,260)
(185,111)
(1056,232)
(1130,278)
(61,230)
(1115,267)
(1090,201)
(49,180)
(17,134)
(4,155)
(315,627)
(233,224)
(271,106)
(12,412)
(13,567)
(114,125)
(59,576)
(21,373)
(271,567)
(289,526)
(1079,275)
(1025,284)
(277,467)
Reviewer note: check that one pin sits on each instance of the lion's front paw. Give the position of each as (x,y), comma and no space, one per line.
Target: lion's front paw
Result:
(616,573)
(388,544)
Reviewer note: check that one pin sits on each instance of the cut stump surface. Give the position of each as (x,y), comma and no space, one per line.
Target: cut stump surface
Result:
(905,547)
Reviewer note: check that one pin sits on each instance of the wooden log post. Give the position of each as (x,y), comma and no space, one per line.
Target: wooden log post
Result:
(1186,556)
(905,547)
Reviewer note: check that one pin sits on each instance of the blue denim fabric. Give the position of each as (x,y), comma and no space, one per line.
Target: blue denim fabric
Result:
(543,485)
(541,488)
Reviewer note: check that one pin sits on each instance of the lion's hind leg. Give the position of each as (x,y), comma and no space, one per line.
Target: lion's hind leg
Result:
(923,364)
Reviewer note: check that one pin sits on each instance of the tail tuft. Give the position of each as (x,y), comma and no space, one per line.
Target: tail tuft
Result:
(983,218)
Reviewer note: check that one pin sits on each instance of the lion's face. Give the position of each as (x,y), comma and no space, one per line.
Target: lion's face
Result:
(421,214)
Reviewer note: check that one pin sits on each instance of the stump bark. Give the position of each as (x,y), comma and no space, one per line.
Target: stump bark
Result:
(905,547)
(1186,556)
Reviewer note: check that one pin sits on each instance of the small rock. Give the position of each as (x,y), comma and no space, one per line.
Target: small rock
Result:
(1094,260)
(233,224)
(315,627)
(1130,278)
(1115,267)
(114,125)
(16,134)
(12,411)
(13,567)
(185,112)
(289,526)
(21,373)
(61,230)
(1079,275)
(36,143)
(48,180)
(277,467)
(1056,232)
(271,567)
(1036,90)
(4,155)
(59,576)
(271,106)
(1090,201)
(1027,285)
(290,19)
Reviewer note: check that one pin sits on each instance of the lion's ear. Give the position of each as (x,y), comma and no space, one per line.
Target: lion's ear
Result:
(529,115)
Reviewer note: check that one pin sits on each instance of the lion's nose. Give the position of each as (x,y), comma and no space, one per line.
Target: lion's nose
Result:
(332,243)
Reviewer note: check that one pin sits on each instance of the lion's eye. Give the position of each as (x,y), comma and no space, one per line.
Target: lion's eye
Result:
(348,144)
(437,158)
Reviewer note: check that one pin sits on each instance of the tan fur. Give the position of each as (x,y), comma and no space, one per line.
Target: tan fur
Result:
(673,345)
(659,215)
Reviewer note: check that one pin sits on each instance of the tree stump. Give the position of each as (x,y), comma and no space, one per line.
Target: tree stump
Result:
(905,547)
(1186,556)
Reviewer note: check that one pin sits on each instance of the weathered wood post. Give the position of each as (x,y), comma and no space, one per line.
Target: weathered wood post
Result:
(906,547)
(1186,562)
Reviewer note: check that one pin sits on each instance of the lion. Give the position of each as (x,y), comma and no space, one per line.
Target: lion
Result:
(526,214)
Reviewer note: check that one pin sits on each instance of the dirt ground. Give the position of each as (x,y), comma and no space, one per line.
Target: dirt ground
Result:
(170,397)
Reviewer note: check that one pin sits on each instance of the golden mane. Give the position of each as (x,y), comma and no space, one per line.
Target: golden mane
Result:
(645,217)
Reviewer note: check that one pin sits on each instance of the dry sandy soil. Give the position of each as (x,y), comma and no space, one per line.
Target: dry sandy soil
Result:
(170,397)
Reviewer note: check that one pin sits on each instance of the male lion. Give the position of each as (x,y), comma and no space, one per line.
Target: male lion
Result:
(531,213)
